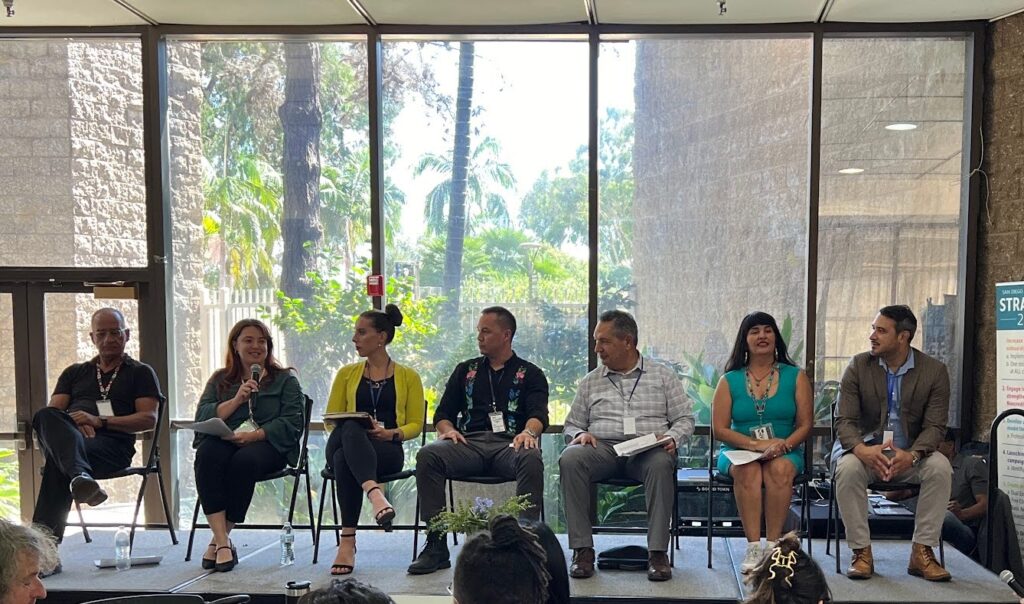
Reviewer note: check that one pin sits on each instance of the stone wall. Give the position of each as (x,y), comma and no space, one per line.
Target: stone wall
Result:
(1001,219)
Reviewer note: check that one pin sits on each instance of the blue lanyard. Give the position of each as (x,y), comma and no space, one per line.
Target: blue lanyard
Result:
(622,393)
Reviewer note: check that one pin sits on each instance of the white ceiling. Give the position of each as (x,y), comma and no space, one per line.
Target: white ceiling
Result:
(494,12)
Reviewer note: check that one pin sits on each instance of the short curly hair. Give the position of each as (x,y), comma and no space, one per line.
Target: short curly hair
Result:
(16,541)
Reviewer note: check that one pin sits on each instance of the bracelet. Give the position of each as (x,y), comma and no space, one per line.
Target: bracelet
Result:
(531,433)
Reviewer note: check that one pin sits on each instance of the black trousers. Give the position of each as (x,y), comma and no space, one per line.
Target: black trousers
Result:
(226,475)
(356,458)
(68,453)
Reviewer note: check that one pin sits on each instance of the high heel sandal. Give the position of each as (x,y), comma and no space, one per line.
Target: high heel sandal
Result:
(223,567)
(385,515)
(345,569)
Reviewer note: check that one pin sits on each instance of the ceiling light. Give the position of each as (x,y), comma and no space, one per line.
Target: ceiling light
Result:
(901,126)
(851,170)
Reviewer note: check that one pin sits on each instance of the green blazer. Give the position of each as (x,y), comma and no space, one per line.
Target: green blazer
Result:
(279,410)
(863,403)
(408,391)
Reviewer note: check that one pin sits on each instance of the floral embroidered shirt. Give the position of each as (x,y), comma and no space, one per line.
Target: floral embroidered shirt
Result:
(519,391)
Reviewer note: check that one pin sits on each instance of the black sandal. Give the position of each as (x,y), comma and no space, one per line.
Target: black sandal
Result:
(345,569)
(209,564)
(223,567)
(385,515)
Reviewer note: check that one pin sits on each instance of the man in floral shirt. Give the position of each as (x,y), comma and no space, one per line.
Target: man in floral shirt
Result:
(488,422)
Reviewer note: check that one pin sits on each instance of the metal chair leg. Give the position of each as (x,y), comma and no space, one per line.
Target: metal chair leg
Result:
(319,523)
(192,531)
(167,507)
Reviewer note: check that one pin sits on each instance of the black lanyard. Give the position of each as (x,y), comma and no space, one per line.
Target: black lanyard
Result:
(490,382)
(376,388)
(622,393)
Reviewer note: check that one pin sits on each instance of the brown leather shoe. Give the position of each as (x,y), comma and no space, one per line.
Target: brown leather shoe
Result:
(863,564)
(658,567)
(582,563)
(923,564)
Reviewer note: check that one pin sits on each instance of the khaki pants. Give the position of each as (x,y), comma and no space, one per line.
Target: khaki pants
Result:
(933,473)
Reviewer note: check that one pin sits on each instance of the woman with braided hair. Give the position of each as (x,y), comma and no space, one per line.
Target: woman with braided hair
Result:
(517,552)
(787,575)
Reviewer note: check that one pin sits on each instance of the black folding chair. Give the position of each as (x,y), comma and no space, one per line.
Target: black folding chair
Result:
(802,480)
(327,474)
(297,472)
(152,466)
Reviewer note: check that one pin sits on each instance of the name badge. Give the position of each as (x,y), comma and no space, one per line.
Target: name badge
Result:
(247,426)
(762,432)
(629,425)
(497,421)
(105,408)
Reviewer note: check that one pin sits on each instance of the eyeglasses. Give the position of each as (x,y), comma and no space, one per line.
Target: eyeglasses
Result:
(103,334)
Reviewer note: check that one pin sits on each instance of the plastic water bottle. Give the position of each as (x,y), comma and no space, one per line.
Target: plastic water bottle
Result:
(122,549)
(287,545)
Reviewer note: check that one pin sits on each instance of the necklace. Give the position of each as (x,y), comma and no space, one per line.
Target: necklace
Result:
(760,402)
(369,375)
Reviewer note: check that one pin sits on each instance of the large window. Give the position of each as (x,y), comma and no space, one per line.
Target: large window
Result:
(270,187)
(486,197)
(703,182)
(892,187)
(72,188)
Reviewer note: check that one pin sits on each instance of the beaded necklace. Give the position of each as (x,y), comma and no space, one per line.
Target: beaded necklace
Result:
(760,402)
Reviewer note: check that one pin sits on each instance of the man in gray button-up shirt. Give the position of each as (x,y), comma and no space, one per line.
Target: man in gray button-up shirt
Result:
(628,396)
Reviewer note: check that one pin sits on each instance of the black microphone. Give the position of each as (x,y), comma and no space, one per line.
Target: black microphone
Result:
(256,370)
(1007,577)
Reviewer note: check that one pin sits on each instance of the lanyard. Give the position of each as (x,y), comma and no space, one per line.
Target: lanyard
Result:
(105,390)
(376,388)
(892,383)
(621,390)
(761,402)
(490,382)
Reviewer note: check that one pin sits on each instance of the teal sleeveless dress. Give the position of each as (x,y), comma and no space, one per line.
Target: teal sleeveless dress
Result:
(779,411)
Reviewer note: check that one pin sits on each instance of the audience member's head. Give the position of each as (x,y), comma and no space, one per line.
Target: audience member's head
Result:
(347,591)
(558,585)
(514,551)
(24,553)
(786,575)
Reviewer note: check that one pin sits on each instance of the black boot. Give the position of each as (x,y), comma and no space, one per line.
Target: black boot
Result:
(434,556)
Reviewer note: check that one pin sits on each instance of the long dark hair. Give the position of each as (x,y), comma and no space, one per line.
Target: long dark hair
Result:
(740,355)
(234,370)
(786,575)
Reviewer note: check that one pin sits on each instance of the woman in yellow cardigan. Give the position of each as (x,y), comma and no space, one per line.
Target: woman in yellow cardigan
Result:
(393,395)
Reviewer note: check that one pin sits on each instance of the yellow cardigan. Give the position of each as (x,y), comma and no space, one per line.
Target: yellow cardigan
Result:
(408,390)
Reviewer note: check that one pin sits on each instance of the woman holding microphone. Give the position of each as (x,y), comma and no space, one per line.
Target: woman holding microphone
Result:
(263,404)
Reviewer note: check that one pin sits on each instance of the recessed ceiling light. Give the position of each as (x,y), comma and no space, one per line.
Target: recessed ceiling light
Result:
(901,126)
(851,170)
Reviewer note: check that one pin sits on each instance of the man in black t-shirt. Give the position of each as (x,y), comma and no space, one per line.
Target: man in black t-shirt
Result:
(88,429)
(489,422)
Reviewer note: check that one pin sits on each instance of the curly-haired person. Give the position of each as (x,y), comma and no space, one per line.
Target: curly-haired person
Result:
(787,575)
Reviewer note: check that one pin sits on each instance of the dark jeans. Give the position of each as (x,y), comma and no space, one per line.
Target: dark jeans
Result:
(960,535)
(484,453)
(68,454)
(226,475)
(356,458)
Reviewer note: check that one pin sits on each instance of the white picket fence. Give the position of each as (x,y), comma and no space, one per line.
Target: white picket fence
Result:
(222,308)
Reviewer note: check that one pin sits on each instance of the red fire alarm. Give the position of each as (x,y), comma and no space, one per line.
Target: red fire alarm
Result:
(374,285)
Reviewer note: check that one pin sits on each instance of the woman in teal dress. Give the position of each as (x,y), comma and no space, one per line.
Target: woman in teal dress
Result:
(762,403)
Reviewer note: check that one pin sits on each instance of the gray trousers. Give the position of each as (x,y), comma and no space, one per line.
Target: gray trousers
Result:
(485,453)
(933,473)
(582,465)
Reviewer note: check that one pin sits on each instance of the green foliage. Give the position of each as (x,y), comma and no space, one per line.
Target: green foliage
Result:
(468,519)
(10,497)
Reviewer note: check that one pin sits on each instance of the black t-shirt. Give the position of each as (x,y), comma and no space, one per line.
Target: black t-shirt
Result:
(133,380)
(387,398)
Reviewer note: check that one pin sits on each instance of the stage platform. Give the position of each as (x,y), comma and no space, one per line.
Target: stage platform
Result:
(383,558)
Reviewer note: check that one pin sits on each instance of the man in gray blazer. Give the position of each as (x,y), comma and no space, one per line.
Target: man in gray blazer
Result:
(893,407)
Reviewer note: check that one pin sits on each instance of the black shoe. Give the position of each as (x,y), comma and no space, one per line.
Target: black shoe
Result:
(434,556)
(86,490)
(56,570)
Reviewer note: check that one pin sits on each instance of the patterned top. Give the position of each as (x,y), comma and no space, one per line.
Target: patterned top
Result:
(650,392)
(519,390)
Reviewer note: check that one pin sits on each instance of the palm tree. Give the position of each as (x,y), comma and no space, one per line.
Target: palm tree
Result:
(487,179)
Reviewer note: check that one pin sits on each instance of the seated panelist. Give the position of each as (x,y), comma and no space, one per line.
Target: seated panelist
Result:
(392,394)
(763,403)
(263,403)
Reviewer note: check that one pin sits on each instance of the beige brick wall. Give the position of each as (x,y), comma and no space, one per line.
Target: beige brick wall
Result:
(1001,220)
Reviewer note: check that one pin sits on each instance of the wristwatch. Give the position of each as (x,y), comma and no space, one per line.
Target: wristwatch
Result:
(396,437)
(917,458)
(531,433)
(103,423)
